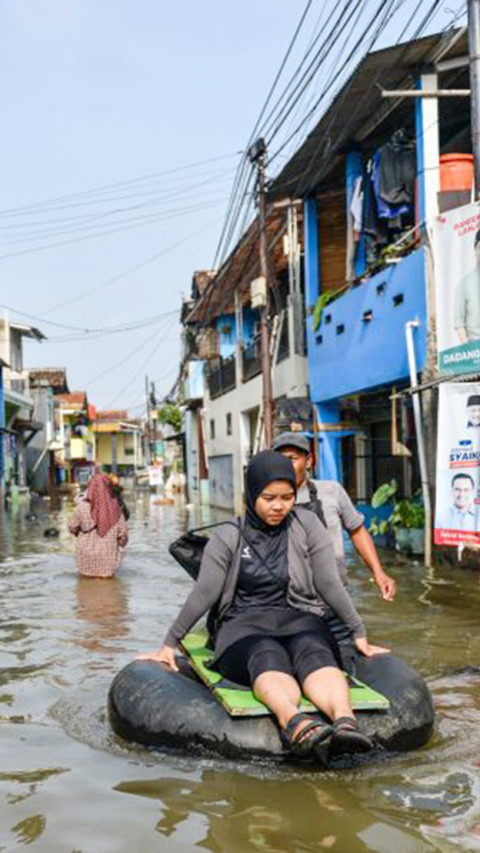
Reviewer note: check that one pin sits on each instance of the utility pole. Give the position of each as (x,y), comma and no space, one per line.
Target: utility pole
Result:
(153,403)
(474,52)
(147,443)
(257,154)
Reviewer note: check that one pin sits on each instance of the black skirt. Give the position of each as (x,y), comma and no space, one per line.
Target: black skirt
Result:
(268,622)
(281,639)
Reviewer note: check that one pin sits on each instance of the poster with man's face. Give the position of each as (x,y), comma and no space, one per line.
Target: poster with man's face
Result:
(455,238)
(457,510)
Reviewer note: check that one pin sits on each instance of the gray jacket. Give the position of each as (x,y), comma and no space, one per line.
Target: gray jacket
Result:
(314,582)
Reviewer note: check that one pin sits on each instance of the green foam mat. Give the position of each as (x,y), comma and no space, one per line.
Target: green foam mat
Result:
(242,703)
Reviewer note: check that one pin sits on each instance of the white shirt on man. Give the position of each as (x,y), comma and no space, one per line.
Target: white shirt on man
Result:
(454,518)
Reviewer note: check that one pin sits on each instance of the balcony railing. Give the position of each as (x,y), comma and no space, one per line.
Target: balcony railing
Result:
(251,359)
(221,376)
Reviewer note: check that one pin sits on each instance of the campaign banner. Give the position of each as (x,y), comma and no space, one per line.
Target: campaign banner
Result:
(457,508)
(455,239)
(155,474)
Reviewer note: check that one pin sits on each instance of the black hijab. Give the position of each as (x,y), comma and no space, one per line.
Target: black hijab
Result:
(264,468)
(268,543)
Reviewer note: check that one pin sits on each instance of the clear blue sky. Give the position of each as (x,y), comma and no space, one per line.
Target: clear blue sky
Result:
(98,92)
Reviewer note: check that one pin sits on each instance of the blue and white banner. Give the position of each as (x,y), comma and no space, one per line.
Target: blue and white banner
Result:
(455,238)
(457,510)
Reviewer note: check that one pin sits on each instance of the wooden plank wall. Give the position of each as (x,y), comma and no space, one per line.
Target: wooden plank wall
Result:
(332,239)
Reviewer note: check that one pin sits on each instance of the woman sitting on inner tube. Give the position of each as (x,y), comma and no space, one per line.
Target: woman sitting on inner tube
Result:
(271,582)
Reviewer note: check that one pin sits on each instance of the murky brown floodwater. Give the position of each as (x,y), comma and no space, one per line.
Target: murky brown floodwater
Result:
(67,784)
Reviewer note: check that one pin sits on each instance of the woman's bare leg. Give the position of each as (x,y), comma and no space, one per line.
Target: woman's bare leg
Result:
(279,692)
(327,688)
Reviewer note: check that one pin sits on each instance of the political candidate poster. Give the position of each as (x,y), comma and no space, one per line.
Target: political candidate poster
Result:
(457,509)
(455,238)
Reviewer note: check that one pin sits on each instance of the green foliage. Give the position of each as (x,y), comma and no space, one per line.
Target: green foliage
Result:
(384,493)
(406,513)
(170,414)
(320,304)
(377,527)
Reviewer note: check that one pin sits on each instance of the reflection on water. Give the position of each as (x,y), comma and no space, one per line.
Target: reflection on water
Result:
(30,829)
(103,606)
(67,783)
(247,813)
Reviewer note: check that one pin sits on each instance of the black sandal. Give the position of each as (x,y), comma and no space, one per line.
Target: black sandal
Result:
(347,737)
(307,739)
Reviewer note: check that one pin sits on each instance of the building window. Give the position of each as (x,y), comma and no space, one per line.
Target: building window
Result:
(212,428)
(228,419)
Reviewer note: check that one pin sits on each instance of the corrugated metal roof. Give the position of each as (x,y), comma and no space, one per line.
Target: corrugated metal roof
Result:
(112,415)
(355,116)
(358,109)
(76,400)
(52,377)
(240,268)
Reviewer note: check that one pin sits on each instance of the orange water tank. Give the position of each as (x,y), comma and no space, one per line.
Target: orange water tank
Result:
(456,172)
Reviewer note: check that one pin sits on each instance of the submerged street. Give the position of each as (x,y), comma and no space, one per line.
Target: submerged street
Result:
(68,784)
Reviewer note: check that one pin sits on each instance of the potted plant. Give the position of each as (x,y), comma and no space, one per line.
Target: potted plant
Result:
(406,520)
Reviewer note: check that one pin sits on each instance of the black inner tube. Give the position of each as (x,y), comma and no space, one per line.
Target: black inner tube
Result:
(151,705)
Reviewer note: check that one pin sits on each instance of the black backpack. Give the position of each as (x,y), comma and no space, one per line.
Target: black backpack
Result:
(188,549)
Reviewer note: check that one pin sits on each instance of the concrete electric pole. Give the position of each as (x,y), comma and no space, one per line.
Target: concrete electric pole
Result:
(474,52)
(257,154)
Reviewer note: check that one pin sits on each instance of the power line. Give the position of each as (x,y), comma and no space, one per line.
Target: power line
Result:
(346,130)
(338,73)
(241,181)
(334,33)
(95,336)
(157,199)
(337,29)
(138,324)
(130,382)
(239,188)
(316,32)
(84,193)
(130,270)
(125,358)
(137,223)
(156,382)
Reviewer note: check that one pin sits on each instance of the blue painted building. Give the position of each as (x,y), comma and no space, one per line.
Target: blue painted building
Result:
(357,354)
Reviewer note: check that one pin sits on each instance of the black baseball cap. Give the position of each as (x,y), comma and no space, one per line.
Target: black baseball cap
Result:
(292,439)
(474,400)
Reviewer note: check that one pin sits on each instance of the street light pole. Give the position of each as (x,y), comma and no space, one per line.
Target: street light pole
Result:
(474,53)
(257,154)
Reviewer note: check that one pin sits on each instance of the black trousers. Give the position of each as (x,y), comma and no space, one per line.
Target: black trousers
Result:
(298,655)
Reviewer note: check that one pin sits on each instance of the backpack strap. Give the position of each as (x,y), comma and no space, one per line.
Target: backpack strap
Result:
(316,504)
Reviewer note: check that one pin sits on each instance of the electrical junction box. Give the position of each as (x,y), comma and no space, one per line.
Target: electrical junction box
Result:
(258,292)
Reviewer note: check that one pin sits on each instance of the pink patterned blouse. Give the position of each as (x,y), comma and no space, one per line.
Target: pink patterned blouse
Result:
(97,556)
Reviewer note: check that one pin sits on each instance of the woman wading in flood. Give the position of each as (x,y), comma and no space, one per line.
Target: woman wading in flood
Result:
(100,528)
(272,583)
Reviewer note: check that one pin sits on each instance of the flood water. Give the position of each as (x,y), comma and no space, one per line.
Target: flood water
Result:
(68,784)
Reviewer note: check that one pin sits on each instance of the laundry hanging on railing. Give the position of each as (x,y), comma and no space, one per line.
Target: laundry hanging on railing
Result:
(397,169)
(356,206)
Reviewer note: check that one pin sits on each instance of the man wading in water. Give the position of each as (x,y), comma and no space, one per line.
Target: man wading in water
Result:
(329,500)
